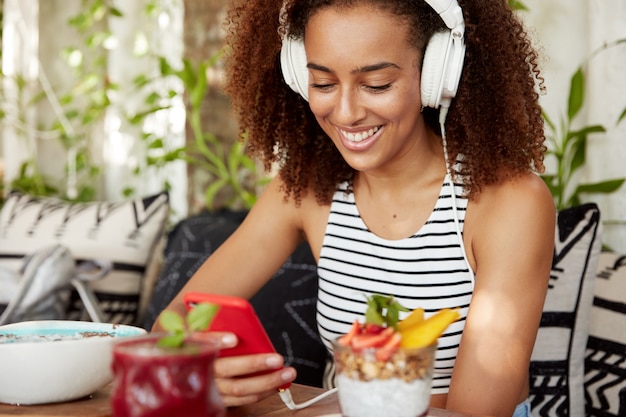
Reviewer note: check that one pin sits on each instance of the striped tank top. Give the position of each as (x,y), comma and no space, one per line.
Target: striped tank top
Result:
(428,269)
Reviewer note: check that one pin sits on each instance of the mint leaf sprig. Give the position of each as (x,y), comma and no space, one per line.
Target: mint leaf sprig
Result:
(383,310)
(198,319)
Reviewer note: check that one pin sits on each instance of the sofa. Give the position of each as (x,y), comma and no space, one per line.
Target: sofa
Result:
(578,366)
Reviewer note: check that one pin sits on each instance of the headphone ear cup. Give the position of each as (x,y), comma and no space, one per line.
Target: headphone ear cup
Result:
(293,64)
(433,68)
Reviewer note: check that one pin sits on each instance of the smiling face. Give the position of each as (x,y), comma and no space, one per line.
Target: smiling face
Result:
(364,86)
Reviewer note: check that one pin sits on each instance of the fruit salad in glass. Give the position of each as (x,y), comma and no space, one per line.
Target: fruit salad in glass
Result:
(384,366)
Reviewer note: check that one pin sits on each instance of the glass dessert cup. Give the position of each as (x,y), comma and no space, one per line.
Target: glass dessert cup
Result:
(150,381)
(373,382)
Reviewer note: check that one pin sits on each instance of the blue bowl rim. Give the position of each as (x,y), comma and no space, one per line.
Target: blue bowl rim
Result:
(69,328)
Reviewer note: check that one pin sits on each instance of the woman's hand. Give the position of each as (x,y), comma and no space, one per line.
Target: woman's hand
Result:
(235,376)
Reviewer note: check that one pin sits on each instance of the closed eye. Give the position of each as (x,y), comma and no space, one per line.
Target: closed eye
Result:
(322,87)
(373,88)
(378,88)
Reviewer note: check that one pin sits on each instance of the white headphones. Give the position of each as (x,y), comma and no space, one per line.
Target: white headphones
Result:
(441,70)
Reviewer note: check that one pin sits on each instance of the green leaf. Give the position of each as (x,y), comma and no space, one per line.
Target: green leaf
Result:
(214,59)
(576,94)
(580,154)
(196,95)
(187,74)
(517,5)
(587,130)
(393,315)
(382,309)
(165,68)
(248,163)
(212,190)
(604,187)
(153,99)
(374,317)
(200,317)
(141,80)
(115,12)
(621,116)
(171,321)
(548,121)
(172,340)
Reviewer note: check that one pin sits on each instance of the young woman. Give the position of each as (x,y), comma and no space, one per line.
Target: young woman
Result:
(400,182)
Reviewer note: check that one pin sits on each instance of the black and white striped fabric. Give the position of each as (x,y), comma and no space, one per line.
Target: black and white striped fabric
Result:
(427,270)
(605,361)
(124,233)
(557,363)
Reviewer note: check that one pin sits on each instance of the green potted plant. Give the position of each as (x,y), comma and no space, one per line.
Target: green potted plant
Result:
(568,146)
(80,104)
(233,176)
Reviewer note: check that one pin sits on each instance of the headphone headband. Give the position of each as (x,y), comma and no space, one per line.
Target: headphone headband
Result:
(449,11)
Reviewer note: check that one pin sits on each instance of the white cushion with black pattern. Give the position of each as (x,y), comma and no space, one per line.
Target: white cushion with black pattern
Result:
(557,364)
(124,233)
(605,363)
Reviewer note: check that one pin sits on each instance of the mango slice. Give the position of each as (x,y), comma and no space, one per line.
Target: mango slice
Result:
(427,331)
(416,316)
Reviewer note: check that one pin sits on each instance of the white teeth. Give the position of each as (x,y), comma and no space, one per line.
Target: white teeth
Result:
(358,137)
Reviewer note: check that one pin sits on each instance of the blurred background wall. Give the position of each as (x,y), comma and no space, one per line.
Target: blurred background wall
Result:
(567,33)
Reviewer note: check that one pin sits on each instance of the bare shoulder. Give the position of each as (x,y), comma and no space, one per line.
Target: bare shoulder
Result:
(526,196)
(305,220)
(518,211)
(314,217)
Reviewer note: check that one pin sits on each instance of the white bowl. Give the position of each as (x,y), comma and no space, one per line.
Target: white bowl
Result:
(56,360)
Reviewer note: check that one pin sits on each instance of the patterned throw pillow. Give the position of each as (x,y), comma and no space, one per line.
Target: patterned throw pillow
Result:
(605,364)
(557,364)
(124,233)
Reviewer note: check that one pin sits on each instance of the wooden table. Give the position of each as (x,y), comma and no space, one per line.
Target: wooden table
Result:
(97,405)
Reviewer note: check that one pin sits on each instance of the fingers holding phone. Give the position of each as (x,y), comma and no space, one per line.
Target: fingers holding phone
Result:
(227,340)
(247,379)
(248,369)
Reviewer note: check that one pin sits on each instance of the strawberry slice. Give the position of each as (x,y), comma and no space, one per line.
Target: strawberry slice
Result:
(346,339)
(366,340)
(385,351)
(372,328)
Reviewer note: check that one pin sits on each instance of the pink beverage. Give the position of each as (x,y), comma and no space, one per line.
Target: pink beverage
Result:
(150,381)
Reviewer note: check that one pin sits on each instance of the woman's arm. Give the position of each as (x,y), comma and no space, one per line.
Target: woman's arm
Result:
(241,266)
(252,254)
(510,231)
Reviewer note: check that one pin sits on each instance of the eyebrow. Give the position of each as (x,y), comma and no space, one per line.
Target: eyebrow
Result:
(367,68)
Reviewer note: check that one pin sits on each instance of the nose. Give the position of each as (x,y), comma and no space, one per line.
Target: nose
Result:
(349,109)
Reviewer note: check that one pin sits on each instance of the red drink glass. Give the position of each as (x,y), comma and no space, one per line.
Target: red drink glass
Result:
(151,381)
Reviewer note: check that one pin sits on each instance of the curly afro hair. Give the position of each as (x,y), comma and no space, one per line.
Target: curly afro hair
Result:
(494,122)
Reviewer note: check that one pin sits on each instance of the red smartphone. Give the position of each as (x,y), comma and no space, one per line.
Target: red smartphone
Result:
(235,315)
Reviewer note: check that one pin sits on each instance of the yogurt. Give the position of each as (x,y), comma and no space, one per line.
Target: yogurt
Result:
(383,397)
